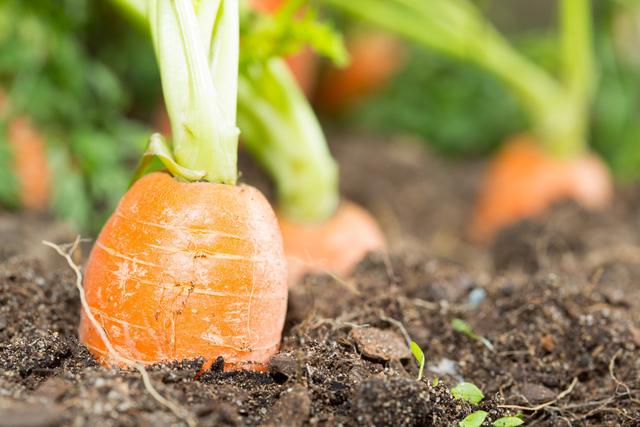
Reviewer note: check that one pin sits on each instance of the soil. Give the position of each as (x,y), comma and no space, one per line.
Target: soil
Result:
(553,332)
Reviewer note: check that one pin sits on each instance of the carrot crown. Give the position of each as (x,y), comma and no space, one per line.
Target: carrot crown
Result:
(197,46)
(557,107)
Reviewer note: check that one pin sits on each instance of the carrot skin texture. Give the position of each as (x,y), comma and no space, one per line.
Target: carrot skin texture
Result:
(523,181)
(30,163)
(183,270)
(335,245)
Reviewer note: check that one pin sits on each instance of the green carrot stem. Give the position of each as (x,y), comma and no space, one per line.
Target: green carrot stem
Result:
(136,10)
(281,131)
(578,64)
(198,56)
(457,28)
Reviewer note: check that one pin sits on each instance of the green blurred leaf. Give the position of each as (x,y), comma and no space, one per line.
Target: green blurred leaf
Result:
(475,419)
(446,103)
(9,193)
(508,422)
(419,356)
(468,392)
(294,26)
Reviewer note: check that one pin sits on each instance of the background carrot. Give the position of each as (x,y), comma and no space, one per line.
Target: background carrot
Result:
(335,245)
(375,56)
(523,180)
(184,269)
(67,141)
(27,159)
(280,130)
(30,163)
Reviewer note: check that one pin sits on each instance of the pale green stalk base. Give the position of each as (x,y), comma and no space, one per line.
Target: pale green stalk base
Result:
(197,50)
(281,131)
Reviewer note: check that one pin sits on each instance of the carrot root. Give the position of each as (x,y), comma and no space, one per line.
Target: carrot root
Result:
(334,246)
(183,270)
(523,181)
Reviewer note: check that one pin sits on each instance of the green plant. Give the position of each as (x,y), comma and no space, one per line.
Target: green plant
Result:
(74,99)
(463,327)
(474,419)
(508,422)
(468,392)
(418,354)
(557,108)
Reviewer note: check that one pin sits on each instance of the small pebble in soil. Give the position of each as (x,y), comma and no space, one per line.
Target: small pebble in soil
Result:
(380,344)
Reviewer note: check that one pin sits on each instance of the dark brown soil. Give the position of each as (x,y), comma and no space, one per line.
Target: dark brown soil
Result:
(552,305)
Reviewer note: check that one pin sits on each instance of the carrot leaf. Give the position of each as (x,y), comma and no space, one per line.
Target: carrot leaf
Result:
(458,28)
(294,26)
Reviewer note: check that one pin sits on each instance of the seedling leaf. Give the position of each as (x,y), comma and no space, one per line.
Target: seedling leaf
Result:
(467,392)
(463,327)
(474,419)
(508,422)
(419,355)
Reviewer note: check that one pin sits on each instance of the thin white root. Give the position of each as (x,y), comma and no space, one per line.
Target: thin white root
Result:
(66,251)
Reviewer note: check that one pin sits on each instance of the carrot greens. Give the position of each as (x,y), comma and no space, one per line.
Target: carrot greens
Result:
(197,50)
(556,107)
(278,125)
(75,99)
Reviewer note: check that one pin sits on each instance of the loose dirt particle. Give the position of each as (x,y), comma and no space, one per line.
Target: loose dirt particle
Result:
(381,344)
(292,409)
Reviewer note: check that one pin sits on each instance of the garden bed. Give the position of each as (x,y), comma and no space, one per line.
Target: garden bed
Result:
(552,306)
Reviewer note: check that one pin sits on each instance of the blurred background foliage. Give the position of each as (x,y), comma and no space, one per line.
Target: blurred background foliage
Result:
(461,111)
(88,78)
(54,68)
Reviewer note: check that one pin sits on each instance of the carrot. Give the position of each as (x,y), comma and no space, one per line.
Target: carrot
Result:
(191,265)
(280,130)
(335,245)
(28,160)
(30,163)
(528,174)
(523,181)
(171,278)
(375,57)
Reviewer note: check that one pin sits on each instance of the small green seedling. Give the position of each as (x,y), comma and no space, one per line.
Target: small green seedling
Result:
(508,422)
(474,419)
(467,392)
(419,355)
(463,327)
(436,381)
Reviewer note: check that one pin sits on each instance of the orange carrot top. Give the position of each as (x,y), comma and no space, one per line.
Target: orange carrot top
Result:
(191,265)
